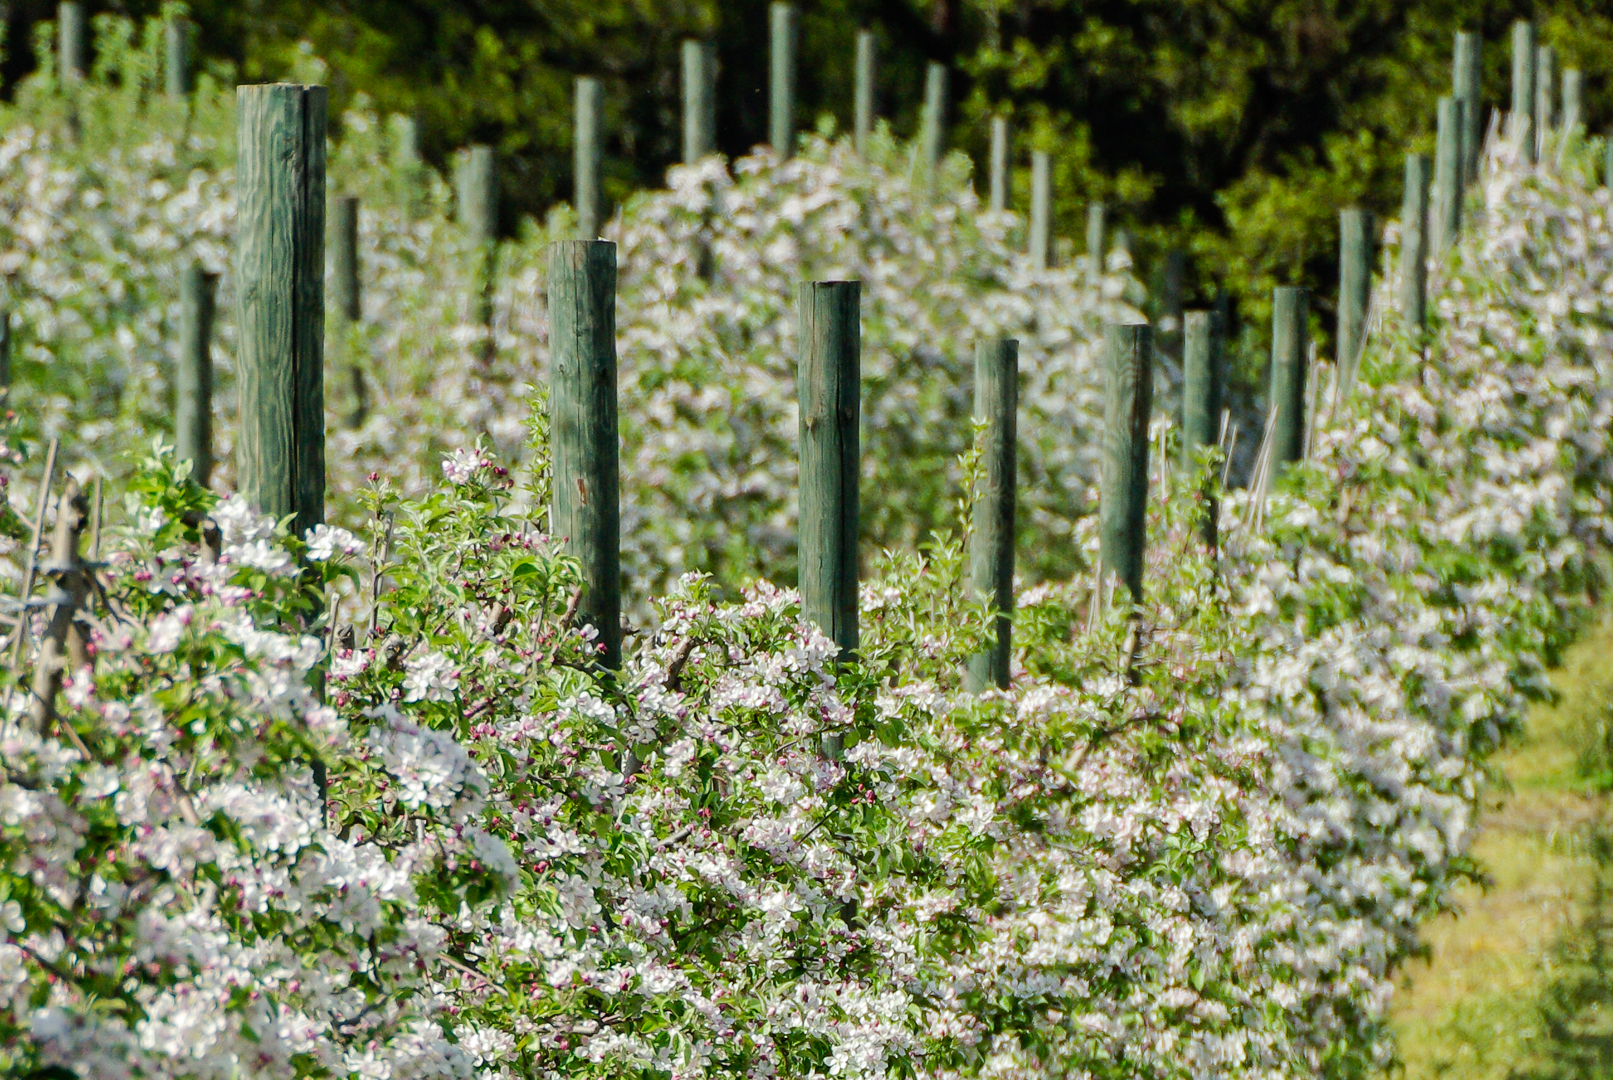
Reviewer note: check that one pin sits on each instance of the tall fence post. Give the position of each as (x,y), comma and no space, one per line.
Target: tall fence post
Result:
(1355,290)
(999,164)
(1128,397)
(1573,102)
(1467,82)
(348,299)
(1414,244)
(782,27)
(280,299)
(176,58)
(193,382)
(1041,238)
(1521,123)
(828,386)
(586,158)
(70,41)
(863,120)
(1203,388)
(699,100)
(1097,226)
(1172,288)
(932,139)
(1290,354)
(1545,97)
(583,430)
(991,538)
(1448,172)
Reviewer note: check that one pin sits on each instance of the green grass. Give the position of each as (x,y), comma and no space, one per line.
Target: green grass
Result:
(1520,983)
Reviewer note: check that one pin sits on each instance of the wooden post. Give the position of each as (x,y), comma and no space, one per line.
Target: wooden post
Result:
(863,122)
(5,346)
(1290,353)
(70,37)
(781,82)
(1172,287)
(1573,102)
(280,299)
(1522,121)
(699,100)
(1545,97)
(1355,289)
(478,196)
(1414,244)
(1448,172)
(405,141)
(1128,396)
(932,137)
(583,431)
(999,164)
(176,58)
(1203,388)
(1607,160)
(193,382)
(991,539)
(1467,86)
(828,386)
(586,157)
(1041,238)
(345,289)
(1097,225)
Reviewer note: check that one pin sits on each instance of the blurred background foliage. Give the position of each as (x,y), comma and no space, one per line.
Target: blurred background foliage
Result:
(1235,129)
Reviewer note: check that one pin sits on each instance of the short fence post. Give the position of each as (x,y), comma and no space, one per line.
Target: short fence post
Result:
(991,540)
(1203,388)
(1172,287)
(863,120)
(70,36)
(405,141)
(1467,86)
(478,196)
(1448,172)
(1041,238)
(1522,123)
(5,346)
(1097,226)
(280,299)
(176,58)
(828,386)
(1573,101)
(1545,97)
(193,382)
(1290,353)
(1355,289)
(999,164)
(699,100)
(348,300)
(1414,244)
(781,82)
(1607,159)
(1128,395)
(586,158)
(934,119)
(583,430)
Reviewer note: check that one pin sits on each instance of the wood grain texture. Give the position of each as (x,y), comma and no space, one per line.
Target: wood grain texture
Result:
(1041,226)
(1355,290)
(585,156)
(863,95)
(999,164)
(176,58)
(932,122)
(280,299)
(583,429)
(1521,123)
(193,379)
(783,28)
(1290,355)
(1467,86)
(991,540)
(1448,173)
(1414,244)
(828,385)
(699,100)
(1128,400)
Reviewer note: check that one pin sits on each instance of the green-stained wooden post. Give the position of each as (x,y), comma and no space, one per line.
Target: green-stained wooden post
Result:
(699,100)
(193,381)
(1545,97)
(1467,86)
(1607,159)
(1355,289)
(585,163)
(999,164)
(1128,397)
(782,25)
(70,35)
(345,296)
(932,137)
(1414,244)
(280,299)
(828,386)
(1203,389)
(1290,353)
(1448,173)
(991,535)
(405,141)
(1041,238)
(1522,121)
(478,196)
(5,346)
(863,121)
(1172,289)
(583,432)
(1573,102)
(1097,226)
(176,58)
